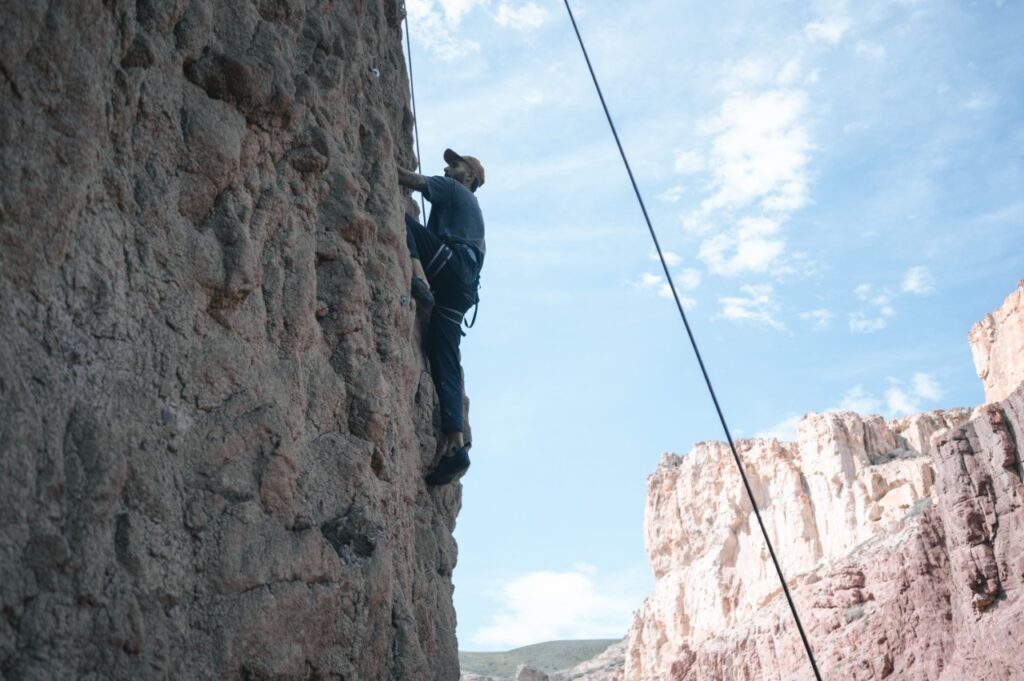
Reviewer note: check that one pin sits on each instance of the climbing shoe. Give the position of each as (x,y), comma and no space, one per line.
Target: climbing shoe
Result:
(421,292)
(449,468)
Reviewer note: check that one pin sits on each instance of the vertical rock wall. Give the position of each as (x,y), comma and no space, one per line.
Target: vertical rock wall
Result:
(215,414)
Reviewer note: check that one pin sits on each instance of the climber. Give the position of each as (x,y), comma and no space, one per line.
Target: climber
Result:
(452,246)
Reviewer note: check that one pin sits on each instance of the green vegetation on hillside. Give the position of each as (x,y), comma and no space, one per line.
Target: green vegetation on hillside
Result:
(548,657)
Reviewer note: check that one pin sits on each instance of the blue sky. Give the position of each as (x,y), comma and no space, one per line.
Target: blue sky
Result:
(839,185)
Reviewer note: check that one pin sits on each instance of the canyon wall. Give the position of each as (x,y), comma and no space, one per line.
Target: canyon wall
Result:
(997,343)
(216,417)
(902,541)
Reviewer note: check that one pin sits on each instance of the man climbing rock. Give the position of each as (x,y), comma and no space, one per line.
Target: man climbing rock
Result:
(447,256)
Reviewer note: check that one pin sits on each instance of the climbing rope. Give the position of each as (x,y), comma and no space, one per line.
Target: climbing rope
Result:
(415,118)
(696,350)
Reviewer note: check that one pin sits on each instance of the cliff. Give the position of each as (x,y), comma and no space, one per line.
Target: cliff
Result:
(997,344)
(903,543)
(215,412)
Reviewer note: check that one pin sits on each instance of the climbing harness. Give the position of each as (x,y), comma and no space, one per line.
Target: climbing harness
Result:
(696,350)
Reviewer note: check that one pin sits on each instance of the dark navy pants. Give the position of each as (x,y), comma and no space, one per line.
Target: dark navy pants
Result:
(451,273)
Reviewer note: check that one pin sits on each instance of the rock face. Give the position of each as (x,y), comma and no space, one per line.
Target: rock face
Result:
(215,412)
(903,543)
(997,343)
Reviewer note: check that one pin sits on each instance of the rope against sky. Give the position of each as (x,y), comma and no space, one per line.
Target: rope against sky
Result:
(696,349)
(415,118)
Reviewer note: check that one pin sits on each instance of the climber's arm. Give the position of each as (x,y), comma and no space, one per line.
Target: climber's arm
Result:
(412,180)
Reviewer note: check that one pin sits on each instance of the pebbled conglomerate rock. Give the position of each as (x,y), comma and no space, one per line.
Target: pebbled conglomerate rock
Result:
(215,412)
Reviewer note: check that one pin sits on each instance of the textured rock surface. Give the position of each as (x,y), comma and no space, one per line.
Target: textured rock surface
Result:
(215,412)
(903,542)
(997,343)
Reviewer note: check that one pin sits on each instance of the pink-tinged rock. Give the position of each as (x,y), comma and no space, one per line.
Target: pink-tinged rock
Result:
(215,414)
(997,343)
(902,541)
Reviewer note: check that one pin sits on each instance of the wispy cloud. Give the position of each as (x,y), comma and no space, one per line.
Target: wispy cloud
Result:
(671,257)
(899,399)
(687,280)
(752,247)
(576,604)
(876,312)
(919,281)
(760,151)
(829,30)
(820,318)
(527,17)
(859,400)
(784,430)
(437,23)
(926,387)
(758,172)
(688,162)
(757,305)
(862,324)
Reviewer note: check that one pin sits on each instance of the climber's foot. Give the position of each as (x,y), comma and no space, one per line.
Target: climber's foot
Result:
(421,292)
(450,468)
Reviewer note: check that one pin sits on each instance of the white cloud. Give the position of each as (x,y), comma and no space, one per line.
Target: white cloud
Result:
(454,10)
(576,604)
(900,403)
(871,50)
(899,400)
(753,247)
(760,152)
(980,100)
(688,279)
(919,281)
(868,320)
(926,387)
(784,430)
(672,194)
(758,306)
(789,72)
(757,164)
(829,31)
(820,318)
(858,400)
(648,281)
(862,324)
(437,23)
(688,162)
(528,17)
(671,257)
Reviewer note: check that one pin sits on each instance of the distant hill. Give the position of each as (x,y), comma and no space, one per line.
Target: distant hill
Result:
(548,657)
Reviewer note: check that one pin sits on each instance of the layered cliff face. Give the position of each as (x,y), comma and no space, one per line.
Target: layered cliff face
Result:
(903,542)
(997,343)
(215,413)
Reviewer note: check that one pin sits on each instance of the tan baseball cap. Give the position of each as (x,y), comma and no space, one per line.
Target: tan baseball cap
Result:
(478,169)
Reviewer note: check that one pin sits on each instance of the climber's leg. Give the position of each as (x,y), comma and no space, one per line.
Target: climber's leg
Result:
(419,239)
(443,338)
